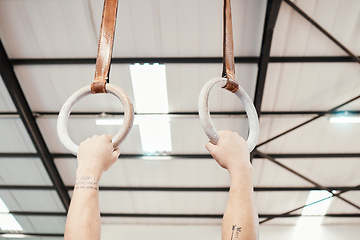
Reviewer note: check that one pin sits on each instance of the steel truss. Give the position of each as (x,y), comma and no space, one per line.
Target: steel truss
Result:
(28,118)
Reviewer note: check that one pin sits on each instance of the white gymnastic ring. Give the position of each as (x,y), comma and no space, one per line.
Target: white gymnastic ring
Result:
(65,111)
(203,106)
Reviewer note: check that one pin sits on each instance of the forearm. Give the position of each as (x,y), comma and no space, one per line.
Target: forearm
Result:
(83,220)
(240,220)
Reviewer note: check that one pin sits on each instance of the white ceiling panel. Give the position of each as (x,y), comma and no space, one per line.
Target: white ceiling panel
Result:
(355,221)
(14,137)
(160,221)
(6,104)
(353,196)
(23,171)
(183,130)
(34,200)
(42,224)
(172,173)
(340,231)
(279,202)
(338,206)
(268,174)
(194,173)
(190,131)
(185,82)
(149,172)
(190,28)
(285,221)
(295,36)
(315,86)
(161,232)
(83,128)
(183,28)
(319,136)
(163,202)
(272,126)
(47,88)
(338,172)
(334,221)
(51,29)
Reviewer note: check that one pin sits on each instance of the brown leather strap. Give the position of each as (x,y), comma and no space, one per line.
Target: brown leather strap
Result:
(105,46)
(228,50)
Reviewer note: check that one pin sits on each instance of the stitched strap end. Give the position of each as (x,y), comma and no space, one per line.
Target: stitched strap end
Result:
(98,87)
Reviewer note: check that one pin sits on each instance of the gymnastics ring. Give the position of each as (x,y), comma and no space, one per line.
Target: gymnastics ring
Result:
(63,117)
(248,105)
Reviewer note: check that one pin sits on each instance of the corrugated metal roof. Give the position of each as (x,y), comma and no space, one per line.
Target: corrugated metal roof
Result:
(294,92)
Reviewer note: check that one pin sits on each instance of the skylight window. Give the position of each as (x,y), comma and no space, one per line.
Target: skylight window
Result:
(308,226)
(7,221)
(154,131)
(110,121)
(320,208)
(155,134)
(344,119)
(6,235)
(150,90)
(150,93)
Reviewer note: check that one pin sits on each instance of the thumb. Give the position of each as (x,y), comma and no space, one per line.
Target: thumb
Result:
(210,147)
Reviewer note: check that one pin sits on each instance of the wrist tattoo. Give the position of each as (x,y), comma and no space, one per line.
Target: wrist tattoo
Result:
(235,232)
(86,182)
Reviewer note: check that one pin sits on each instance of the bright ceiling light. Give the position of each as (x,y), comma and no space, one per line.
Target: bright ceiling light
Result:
(7,221)
(320,208)
(3,207)
(150,93)
(308,226)
(155,135)
(7,235)
(138,119)
(149,86)
(109,121)
(345,119)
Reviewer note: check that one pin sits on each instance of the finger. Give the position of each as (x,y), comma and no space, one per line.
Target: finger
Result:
(109,137)
(210,147)
(221,133)
(116,152)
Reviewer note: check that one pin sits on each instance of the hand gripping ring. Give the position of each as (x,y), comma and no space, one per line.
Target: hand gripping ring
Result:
(63,117)
(248,105)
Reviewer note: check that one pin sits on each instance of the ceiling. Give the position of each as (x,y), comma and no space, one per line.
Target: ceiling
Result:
(299,70)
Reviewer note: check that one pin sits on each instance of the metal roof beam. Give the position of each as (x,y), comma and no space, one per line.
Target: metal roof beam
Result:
(40,114)
(29,235)
(23,108)
(182,60)
(306,179)
(321,29)
(159,215)
(333,110)
(272,11)
(179,189)
(195,156)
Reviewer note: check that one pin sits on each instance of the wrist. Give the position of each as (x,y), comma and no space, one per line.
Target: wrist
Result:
(88,172)
(240,168)
(240,173)
(86,182)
